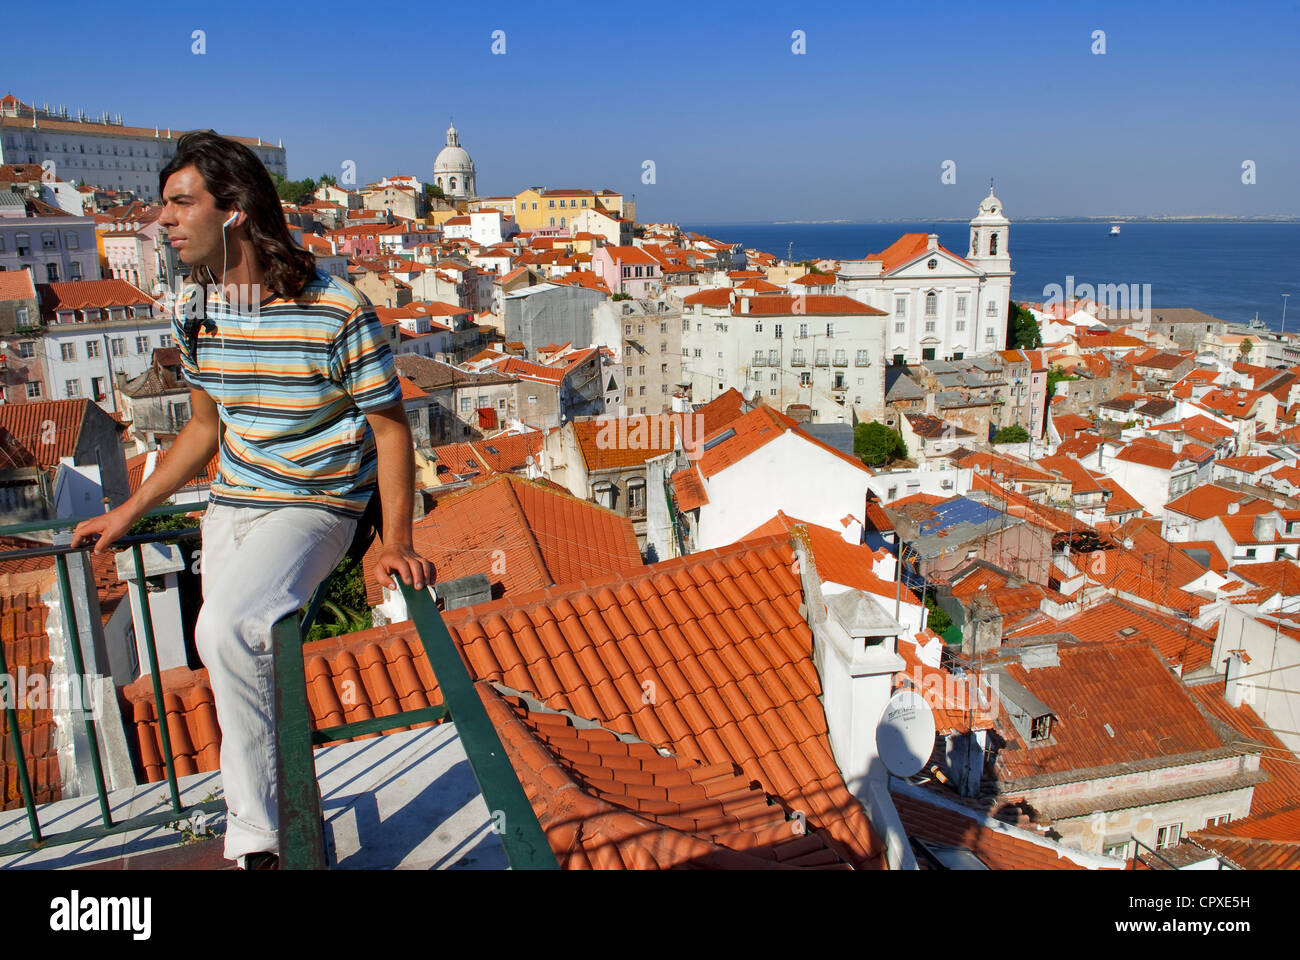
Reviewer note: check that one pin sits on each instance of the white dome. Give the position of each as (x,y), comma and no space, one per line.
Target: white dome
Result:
(453,160)
(990,208)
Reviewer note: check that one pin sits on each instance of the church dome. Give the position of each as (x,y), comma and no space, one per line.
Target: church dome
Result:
(991,208)
(453,170)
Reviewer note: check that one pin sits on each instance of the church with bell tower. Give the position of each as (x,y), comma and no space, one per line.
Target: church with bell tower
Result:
(938,305)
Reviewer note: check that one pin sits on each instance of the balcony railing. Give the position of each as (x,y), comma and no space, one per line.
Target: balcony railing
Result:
(301,824)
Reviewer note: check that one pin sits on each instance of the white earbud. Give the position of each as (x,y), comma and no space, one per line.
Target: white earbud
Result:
(233,217)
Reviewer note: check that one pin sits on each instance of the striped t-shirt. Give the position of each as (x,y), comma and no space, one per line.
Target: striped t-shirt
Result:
(293,381)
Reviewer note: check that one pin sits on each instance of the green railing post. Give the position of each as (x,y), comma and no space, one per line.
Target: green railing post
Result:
(525,844)
(302,839)
(20,756)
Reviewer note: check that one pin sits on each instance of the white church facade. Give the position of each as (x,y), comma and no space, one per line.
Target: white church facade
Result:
(938,305)
(453,170)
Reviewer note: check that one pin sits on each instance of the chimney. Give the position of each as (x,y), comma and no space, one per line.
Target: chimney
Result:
(1265,526)
(1237,689)
(932,242)
(1234,509)
(852,532)
(744,304)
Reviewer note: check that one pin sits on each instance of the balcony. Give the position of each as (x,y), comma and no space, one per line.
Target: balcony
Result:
(405,798)
(840,362)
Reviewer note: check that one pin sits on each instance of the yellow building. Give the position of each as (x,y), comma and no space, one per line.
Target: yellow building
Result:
(538,209)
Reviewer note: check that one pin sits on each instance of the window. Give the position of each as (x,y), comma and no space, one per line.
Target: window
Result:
(641,392)
(861,359)
(960,326)
(697,351)
(501,403)
(68,351)
(165,340)
(97,388)
(550,204)
(73,388)
(929,326)
(805,379)
(141,344)
(627,271)
(117,346)
(841,358)
(47,240)
(26,348)
(758,358)
(830,329)
(33,388)
(532,399)
(636,497)
(773,358)
(1168,836)
(803,331)
(898,360)
(51,272)
(641,370)
(990,335)
(686,326)
(900,306)
(663,368)
(961,305)
(927,353)
(1215,821)
(74,270)
(663,346)
(1250,553)
(993,245)
(627,329)
(70,241)
(822,358)
(640,328)
(797,358)
(1117,850)
(758,327)
(931,304)
(627,371)
(1041,728)
(23,244)
(992,309)
(92,348)
(900,327)
(553,223)
(778,331)
(663,327)
(466,404)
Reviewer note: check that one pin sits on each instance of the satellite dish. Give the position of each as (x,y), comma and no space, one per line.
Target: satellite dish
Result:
(905,733)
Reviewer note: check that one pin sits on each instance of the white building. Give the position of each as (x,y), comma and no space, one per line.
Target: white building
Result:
(941,306)
(453,170)
(101,152)
(97,330)
(822,351)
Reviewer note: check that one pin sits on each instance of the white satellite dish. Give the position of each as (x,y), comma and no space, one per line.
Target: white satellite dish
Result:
(905,733)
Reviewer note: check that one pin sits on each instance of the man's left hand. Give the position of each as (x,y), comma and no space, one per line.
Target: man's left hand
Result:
(402,560)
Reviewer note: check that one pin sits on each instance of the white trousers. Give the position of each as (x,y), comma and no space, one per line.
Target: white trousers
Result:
(257,566)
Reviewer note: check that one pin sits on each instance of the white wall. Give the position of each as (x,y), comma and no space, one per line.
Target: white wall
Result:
(789,473)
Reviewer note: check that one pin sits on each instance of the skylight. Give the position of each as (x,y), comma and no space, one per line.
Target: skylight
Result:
(720,438)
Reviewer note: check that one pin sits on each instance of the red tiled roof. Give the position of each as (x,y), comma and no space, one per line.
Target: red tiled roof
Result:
(1151,712)
(1101,624)
(754,430)
(1247,464)
(1282,789)
(16,285)
(718,635)
(27,648)
(904,250)
(688,489)
(92,294)
(523,534)
(783,304)
(30,425)
(605,803)
(1211,500)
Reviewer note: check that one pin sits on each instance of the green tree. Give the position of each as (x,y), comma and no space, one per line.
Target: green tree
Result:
(1022,329)
(1012,434)
(938,620)
(327,179)
(1055,376)
(621,296)
(1245,348)
(294,191)
(344,609)
(876,444)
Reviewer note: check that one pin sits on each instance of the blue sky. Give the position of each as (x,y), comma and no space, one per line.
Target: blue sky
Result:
(738,126)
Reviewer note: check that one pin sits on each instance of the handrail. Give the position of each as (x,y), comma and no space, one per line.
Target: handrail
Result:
(59,552)
(301,835)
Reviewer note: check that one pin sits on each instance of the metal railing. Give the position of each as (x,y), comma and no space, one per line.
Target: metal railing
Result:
(301,836)
(301,823)
(108,825)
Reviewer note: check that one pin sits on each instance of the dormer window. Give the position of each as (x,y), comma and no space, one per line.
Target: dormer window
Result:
(1040,729)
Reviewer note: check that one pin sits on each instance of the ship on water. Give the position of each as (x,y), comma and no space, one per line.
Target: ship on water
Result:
(1114,229)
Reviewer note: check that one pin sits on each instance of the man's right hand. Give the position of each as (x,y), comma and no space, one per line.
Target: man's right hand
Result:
(108,526)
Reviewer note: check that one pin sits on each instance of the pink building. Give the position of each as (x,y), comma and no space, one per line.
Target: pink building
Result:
(627,270)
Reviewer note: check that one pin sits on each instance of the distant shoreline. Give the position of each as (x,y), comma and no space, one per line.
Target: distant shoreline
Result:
(1116,219)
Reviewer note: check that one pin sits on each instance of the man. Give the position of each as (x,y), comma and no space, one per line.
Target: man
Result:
(292,380)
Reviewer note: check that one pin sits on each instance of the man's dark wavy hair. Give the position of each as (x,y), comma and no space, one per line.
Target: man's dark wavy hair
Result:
(236,178)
